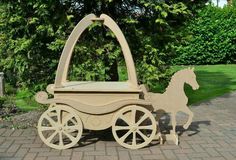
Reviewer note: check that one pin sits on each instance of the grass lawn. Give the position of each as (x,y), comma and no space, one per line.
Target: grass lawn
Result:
(214,80)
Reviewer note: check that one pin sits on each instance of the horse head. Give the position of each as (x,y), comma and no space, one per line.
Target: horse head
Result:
(191,78)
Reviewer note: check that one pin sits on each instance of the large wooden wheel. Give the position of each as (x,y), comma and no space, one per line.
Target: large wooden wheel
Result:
(134,127)
(60,127)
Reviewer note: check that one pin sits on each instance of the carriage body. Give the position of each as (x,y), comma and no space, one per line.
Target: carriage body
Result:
(96,95)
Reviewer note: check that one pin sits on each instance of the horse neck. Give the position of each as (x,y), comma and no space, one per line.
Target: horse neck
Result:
(176,86)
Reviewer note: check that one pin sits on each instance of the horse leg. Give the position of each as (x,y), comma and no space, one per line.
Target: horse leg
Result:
(173,121)
(190,117)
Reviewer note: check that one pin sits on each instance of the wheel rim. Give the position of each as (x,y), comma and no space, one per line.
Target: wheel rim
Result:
(134,127)
(60,127)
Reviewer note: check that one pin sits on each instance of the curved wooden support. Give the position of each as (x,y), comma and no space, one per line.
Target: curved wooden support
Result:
(42,98)
(62,70)
(64,62)
(111,24)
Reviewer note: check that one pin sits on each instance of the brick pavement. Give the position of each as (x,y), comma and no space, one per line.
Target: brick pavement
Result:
(211,136)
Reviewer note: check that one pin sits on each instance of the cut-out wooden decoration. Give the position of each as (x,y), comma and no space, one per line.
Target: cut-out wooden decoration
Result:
(126,107)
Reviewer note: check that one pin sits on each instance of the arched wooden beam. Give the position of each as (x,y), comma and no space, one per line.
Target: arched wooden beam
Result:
(111,24)
(62,70)
(64,62)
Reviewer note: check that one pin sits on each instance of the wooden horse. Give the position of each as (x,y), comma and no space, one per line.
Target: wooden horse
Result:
(174,100)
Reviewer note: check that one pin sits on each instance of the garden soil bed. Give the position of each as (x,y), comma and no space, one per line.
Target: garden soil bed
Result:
(22,120)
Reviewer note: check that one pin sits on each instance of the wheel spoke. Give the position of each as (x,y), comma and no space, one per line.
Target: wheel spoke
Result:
(134,139)
(58,115)
(149,127)
(125,136)
(69,136)
(67,118)
(60,139)
(133,116)
(145,138)
(49,139)
(51,121)
(70,129)
(125,119)
(43,128)
(144,117)
(117,128)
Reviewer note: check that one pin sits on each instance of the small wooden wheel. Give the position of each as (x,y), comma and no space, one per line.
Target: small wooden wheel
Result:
(60,127)
(134,127)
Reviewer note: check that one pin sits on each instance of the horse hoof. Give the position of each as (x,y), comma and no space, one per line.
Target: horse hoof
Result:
(185,126)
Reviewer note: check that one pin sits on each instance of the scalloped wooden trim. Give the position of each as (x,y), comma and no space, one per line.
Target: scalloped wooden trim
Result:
(42,97)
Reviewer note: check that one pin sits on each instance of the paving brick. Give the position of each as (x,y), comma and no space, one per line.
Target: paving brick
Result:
(111,151)
(214,158)
(227,155)
(47,154)
(155,150)
(182,157)
(223,143)
(210,145)
(66,152)
(13,158)
(25,141)
(21,152)
(212,152)
(39,150)
(95,153)
(8,133)
(58,158)
(40,158)
(6,144)
(88,158)
(2,150)
(76,155)
(198,155)
(124,155)
(197,148)
(85,148)
(100,146)
(34,145)
(30,156)
(169,154)
(169,147)
(106,158)
(153,156)
(2,140)
(6,154)
(184,151)
(16,133)
(13,148)
(2,130)
(184,145)
(135,157)
(140,152)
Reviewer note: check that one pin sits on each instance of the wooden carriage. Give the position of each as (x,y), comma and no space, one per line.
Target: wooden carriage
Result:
(95,105)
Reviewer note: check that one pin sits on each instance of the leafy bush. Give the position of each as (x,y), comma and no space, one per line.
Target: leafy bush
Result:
(33,33)
(2,101)
(210,38)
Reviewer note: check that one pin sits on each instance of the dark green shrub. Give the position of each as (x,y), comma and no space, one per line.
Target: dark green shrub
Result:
(210,38)
(2,100)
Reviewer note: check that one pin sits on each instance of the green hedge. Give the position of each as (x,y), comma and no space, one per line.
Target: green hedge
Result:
(210,38)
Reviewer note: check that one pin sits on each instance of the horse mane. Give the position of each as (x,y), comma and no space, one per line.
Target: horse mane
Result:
(175,77)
